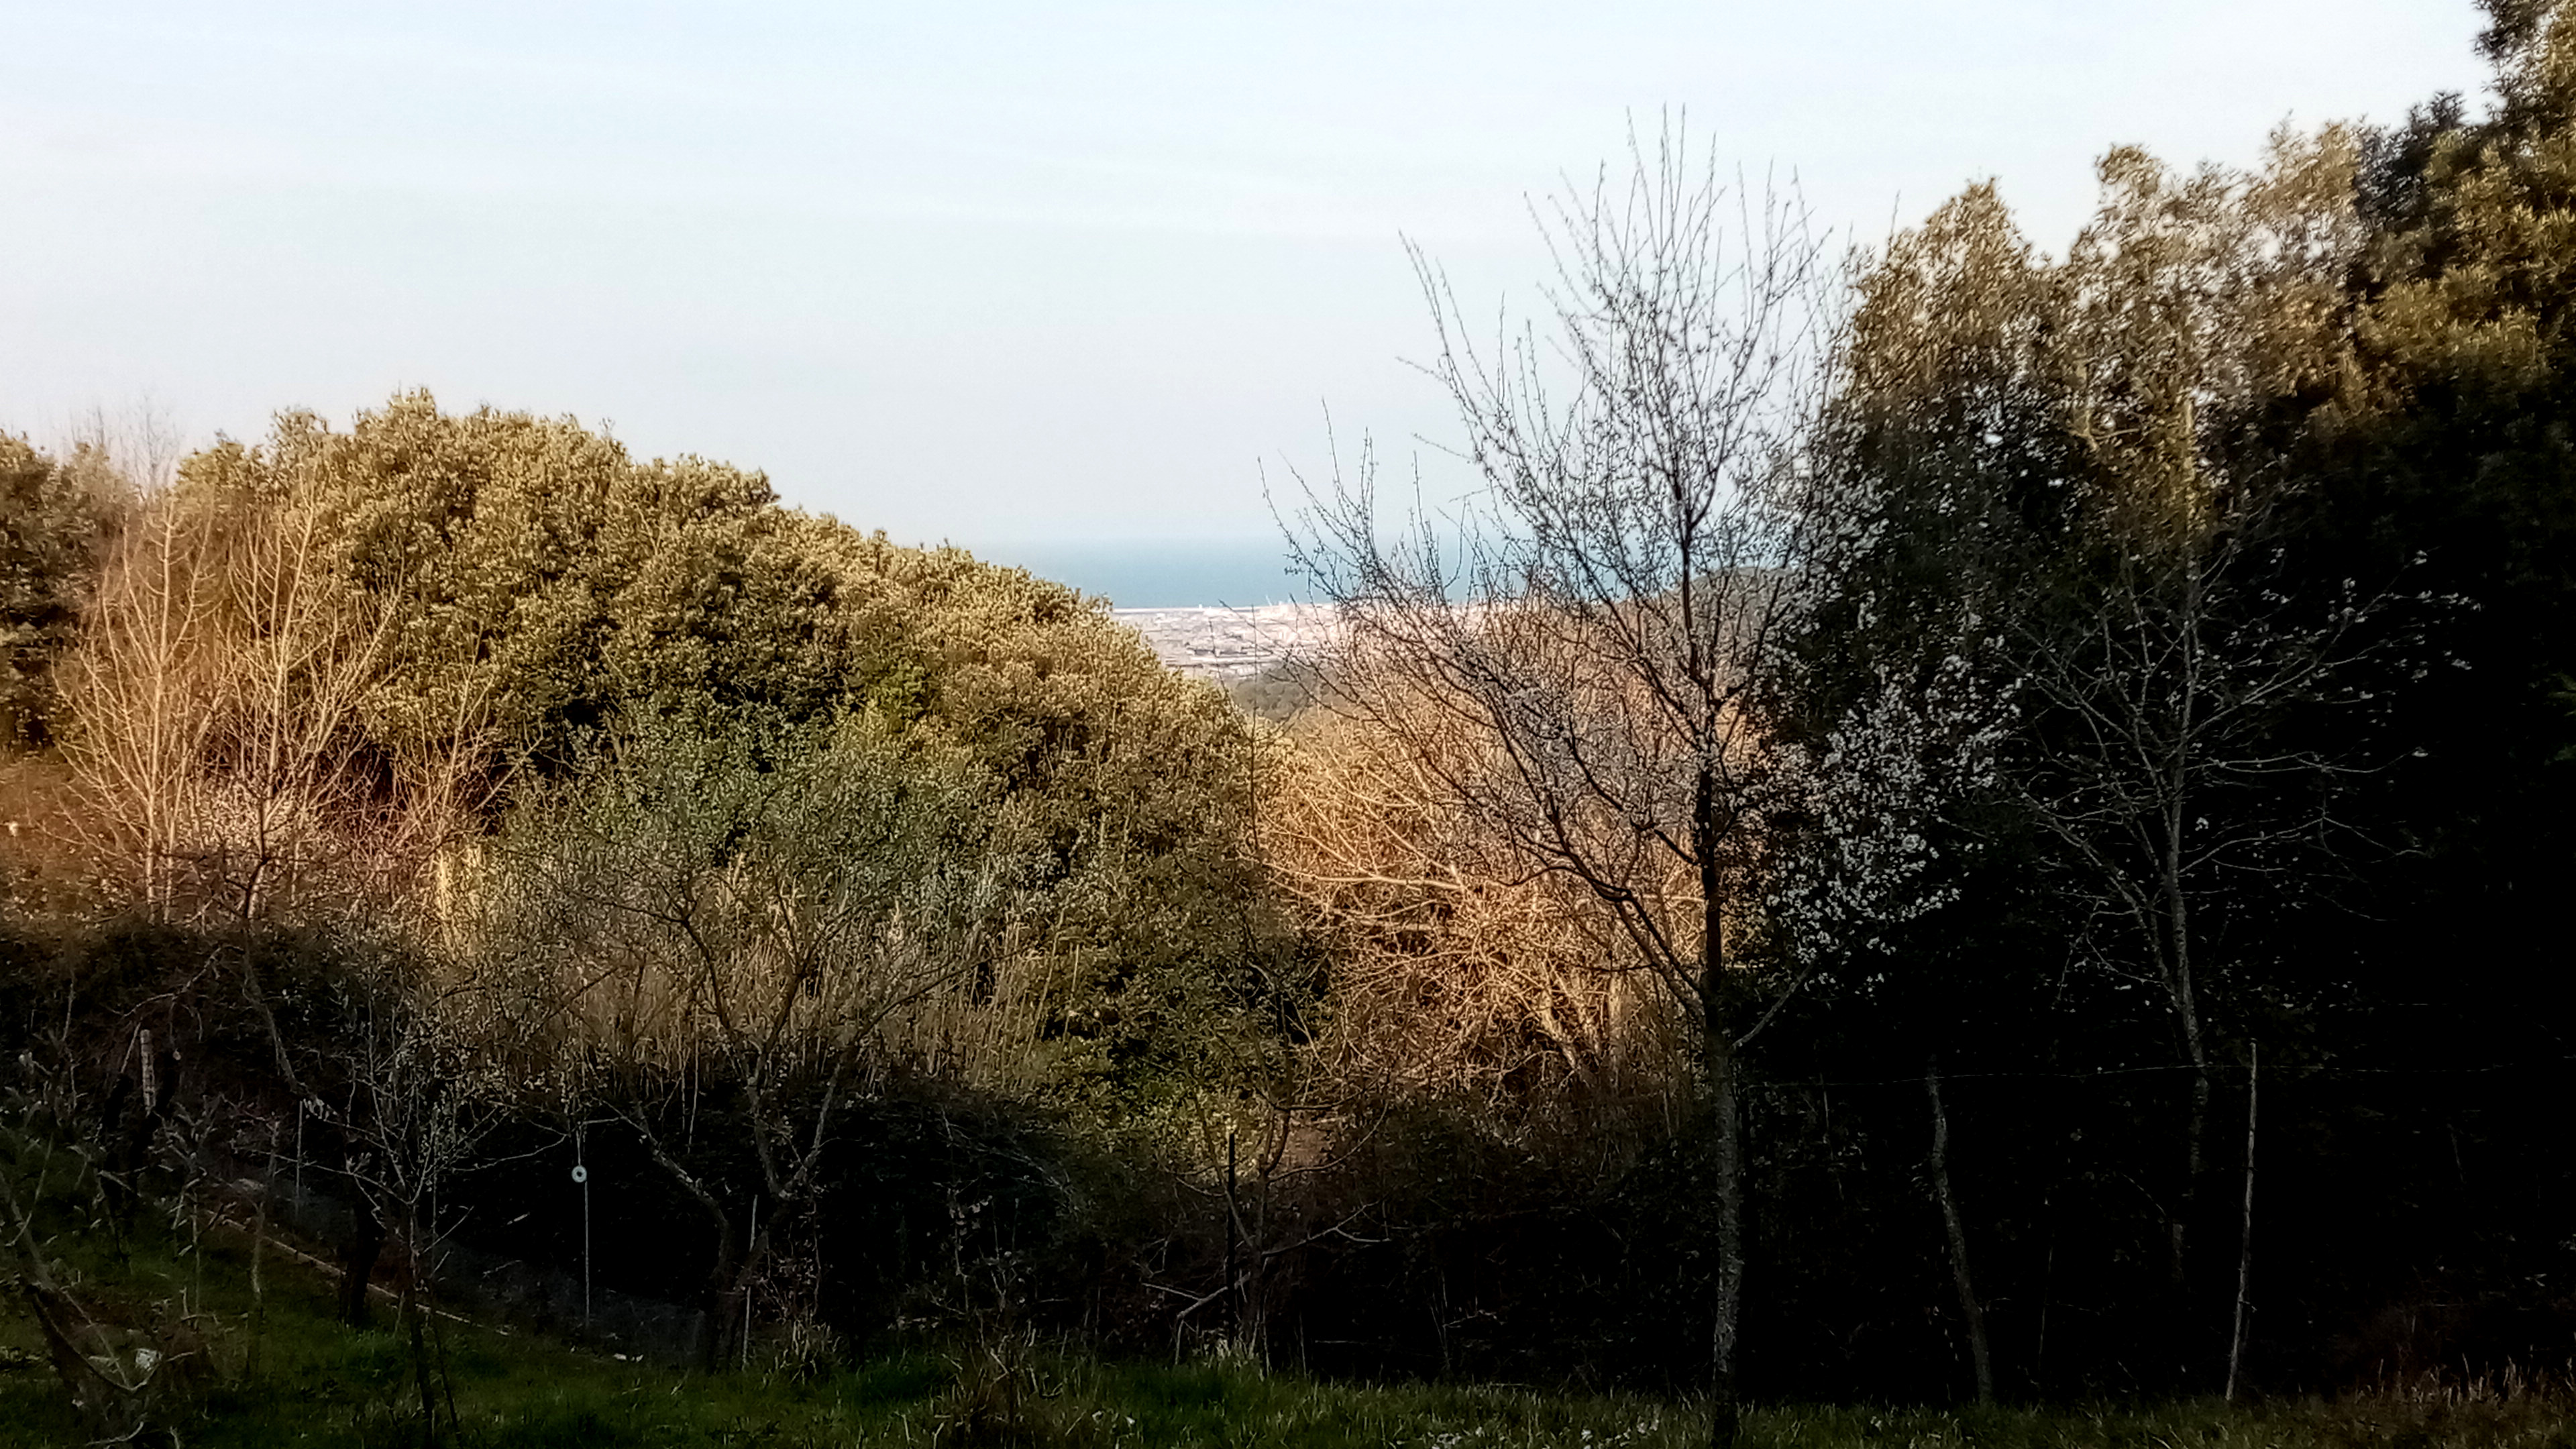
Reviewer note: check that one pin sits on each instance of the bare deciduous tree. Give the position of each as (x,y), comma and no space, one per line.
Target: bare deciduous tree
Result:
(1614,613)
(141,697)
(418,1099)
(216,702)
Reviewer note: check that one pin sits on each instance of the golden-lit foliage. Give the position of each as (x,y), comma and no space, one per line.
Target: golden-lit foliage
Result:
(403,678)
(648,797)
(2191,304)
(212,703)
(2194,306)
(2478,268)
(1465,971)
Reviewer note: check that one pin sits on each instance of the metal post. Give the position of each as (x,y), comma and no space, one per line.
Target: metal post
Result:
(1233,1282)
(581,1179)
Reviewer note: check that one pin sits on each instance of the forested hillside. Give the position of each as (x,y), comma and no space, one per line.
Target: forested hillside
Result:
(1984,822)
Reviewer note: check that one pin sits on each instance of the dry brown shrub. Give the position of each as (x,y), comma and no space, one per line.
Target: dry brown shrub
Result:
(213,722)
(44,872)
(1464,974)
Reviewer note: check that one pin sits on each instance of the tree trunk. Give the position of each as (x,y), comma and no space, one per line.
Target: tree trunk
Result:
(2245,1244)
(722,1280)
(727,1270)
(2185,1322)
(1233,1228)
(2195,1135)
(1969,1308)
(2186,1004)
(258,1281)
(2186,1007)
(412,1313)
(1726,1126)
(358,1253)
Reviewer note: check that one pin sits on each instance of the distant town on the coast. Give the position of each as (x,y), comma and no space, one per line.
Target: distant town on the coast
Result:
(1225,610)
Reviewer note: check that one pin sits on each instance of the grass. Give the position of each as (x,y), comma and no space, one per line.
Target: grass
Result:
(301,1378)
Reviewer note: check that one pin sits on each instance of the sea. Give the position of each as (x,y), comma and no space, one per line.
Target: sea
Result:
(1234,573)
(1229,610)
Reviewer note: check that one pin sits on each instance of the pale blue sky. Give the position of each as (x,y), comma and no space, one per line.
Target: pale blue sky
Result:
(992,273)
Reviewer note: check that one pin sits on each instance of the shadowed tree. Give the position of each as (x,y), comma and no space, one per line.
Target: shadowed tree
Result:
(2107,458)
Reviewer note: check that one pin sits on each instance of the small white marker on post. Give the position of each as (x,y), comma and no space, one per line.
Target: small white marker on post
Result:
(581,1179)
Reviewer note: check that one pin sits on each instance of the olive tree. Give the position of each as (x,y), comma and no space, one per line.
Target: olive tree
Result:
(718,919)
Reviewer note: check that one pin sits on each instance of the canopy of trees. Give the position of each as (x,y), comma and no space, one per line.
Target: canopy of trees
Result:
(1915,789)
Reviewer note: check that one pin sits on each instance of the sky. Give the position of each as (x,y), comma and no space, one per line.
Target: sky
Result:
(1023,277)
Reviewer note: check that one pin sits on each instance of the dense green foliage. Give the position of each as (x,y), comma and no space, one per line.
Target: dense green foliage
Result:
(51,517)
(2259,500)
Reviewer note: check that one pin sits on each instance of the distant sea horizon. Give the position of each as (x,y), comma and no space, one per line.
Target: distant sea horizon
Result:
(1162,573)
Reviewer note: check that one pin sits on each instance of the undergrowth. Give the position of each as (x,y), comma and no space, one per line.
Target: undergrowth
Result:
(278,1369)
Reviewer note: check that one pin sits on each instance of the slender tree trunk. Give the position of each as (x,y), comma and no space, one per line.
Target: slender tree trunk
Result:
(2184,1331)
(2047,1295)
(2186,1005)
(1720,1064)
(2195,1136)
(258,1255)
(1726,1409)
(1254,1301)
(727,1270)
(2245,1245)
(412,1310)
(1969,1308)
(1233,1230)
(2186,1002)
(412,1314)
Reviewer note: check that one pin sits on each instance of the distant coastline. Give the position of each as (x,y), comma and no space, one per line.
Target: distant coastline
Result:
(1221,609)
